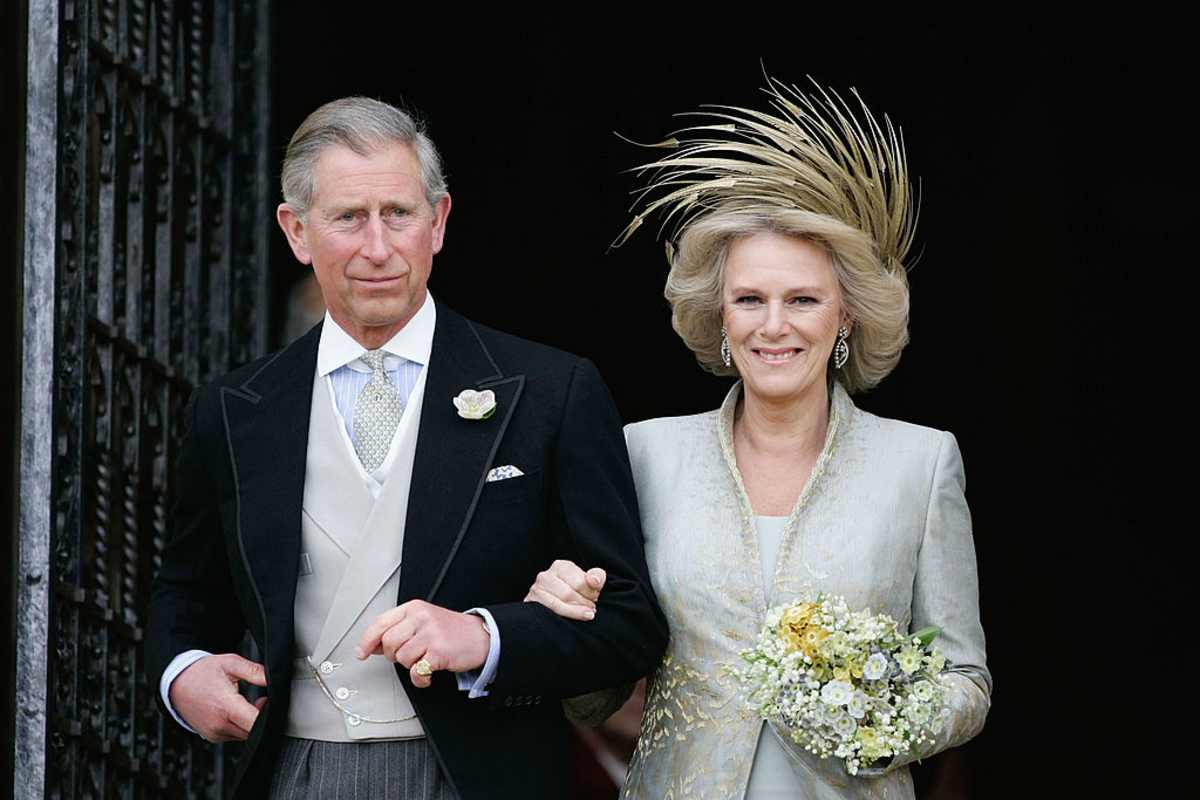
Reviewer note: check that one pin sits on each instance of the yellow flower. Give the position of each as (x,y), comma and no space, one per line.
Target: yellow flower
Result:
(810,640)
(814,635)
(790,638)
(856,667)
(798,616)
(841,674)
(794,626)
(866,735)
(872,747)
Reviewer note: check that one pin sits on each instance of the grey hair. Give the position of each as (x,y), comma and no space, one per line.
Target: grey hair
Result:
(874,290)
(363,125)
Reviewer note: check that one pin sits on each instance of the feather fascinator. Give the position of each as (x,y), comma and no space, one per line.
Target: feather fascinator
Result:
(813,153)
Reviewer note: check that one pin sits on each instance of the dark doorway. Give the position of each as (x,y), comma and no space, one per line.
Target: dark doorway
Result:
(1043,181)
(1057,210)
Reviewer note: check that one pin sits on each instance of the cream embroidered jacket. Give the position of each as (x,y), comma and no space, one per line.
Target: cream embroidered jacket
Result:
(882,521)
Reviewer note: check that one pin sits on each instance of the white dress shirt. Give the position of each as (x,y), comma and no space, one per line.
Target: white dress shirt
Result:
(339,362)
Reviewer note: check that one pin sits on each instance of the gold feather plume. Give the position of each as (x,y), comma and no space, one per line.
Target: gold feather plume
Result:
(812,154)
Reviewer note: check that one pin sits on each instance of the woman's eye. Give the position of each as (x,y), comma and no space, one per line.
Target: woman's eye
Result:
(746,300)
(803,300)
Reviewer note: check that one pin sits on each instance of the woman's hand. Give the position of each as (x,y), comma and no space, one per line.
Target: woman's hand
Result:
(567,590)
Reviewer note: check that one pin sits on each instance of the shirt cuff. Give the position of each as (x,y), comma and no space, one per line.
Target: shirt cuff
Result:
(178,665)
(476,681)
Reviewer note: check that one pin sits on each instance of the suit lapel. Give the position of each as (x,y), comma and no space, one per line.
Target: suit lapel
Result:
(266,426)
(266,423)
(453,454)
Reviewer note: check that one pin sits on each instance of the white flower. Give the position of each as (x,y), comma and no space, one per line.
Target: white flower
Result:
(909,659)
(830,714)
(917,712)
(845,726)
(900,695)
(836,693)
(876,667)
(475,405)
(857,705)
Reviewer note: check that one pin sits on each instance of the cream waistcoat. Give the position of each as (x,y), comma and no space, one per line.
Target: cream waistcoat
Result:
(351,547)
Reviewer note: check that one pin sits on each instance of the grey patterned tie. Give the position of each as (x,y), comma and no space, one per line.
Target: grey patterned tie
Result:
(376,414)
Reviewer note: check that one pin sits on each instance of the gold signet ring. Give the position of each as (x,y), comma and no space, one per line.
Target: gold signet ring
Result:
(423,668)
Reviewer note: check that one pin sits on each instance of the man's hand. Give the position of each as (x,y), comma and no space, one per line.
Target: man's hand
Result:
(206,696)
(567,590)
(446,639)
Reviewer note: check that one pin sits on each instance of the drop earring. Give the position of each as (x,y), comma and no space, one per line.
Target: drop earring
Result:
(841,351)
(726,355)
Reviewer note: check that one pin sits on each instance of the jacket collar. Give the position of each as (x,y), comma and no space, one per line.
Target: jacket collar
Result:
(841,412)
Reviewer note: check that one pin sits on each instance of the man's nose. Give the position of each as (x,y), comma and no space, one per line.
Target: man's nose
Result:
(375,245)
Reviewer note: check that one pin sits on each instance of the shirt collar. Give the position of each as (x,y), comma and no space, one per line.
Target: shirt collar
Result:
(413,342)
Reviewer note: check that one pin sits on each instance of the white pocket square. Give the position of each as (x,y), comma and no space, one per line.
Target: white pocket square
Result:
(504,473)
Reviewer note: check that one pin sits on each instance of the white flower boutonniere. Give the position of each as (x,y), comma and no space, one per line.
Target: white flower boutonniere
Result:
(475,405)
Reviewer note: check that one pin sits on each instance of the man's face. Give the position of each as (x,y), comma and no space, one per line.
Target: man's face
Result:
(370,237)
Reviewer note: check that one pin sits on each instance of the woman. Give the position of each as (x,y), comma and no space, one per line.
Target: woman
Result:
(789,275)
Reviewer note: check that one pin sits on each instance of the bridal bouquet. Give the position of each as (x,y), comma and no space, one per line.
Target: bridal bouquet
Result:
(847,684)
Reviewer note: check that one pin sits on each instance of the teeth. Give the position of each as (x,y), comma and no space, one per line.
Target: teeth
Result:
(777,356)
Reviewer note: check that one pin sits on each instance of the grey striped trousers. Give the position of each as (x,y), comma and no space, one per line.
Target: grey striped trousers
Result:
(397,770)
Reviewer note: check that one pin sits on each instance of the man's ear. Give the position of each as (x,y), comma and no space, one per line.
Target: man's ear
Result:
(295,230)
(440,213)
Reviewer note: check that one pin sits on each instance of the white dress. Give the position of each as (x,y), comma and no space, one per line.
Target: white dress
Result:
(772,776)
(882,521)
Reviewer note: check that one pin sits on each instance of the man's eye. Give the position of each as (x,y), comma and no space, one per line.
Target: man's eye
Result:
(399,212)
(346,216)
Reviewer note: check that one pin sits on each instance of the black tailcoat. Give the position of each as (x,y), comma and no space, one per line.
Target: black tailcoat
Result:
(233,558)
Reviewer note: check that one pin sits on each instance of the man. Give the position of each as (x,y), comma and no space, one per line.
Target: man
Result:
(372,503)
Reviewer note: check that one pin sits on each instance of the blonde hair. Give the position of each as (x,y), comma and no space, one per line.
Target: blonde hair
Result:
(813,170)
(875,299)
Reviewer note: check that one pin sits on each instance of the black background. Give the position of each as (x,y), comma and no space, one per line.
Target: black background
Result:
(1054,222)
(1049,309)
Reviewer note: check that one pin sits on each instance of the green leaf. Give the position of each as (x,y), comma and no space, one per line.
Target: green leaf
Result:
(927,635)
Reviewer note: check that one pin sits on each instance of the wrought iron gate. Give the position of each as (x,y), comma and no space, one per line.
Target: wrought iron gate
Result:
(145,265)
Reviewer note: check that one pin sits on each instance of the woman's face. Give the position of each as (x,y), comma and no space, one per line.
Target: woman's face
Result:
(782,307)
